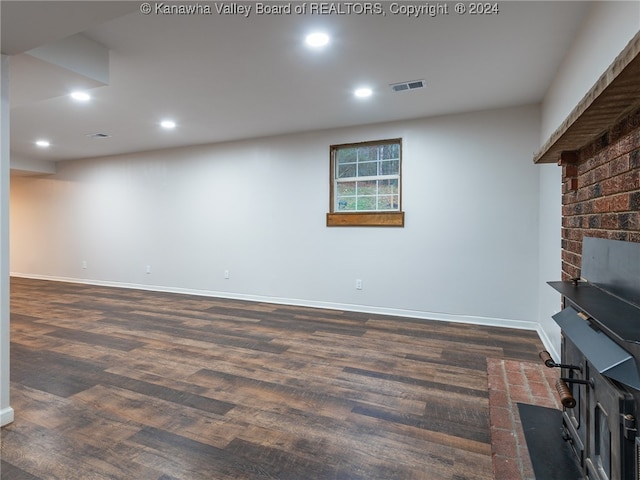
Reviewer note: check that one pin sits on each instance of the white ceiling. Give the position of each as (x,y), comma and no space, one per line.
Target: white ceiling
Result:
(227,77)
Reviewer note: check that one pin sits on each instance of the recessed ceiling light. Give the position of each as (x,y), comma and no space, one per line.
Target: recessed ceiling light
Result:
(81,96)
(317,39)
(43,143)
(363,92)
(168,124)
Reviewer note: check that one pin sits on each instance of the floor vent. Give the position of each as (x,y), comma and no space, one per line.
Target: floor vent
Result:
(98,135)
(404,86)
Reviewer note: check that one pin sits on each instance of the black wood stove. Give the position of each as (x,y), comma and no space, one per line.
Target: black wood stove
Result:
(600,381)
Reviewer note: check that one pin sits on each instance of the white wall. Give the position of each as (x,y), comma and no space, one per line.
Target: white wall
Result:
(549,245)
(469,250)
(607,30)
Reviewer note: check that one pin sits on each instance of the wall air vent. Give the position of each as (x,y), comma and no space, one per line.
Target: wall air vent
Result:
(98,135)
(404,86)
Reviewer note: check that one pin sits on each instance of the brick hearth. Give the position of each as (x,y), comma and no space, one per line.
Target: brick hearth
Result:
(510,383)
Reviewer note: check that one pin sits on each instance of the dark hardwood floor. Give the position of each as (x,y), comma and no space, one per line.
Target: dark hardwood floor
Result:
(112,383)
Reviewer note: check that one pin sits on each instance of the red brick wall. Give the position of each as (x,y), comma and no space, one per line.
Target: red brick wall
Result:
(601,191)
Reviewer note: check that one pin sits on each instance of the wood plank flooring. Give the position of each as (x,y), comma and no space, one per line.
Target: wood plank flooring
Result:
(111,383)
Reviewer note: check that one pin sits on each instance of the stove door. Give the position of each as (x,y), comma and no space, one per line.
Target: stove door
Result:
(575,419)
(610,443)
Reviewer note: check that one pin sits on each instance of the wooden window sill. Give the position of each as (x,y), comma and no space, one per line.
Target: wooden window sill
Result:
(366,219)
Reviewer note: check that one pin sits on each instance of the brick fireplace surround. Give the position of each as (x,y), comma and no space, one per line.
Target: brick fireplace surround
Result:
(601,191)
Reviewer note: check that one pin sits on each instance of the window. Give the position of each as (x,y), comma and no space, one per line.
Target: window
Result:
(366,184)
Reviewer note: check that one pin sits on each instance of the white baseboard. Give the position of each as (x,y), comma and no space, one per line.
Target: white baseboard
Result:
(445,317)
(548,344)
(6,416)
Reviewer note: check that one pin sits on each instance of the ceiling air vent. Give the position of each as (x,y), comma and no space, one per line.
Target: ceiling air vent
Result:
(404,86)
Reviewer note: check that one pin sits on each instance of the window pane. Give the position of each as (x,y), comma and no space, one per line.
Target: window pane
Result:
(367,188)
(388,202)
(368,169)
(366,203)
(346,204)
(391,151)
(387,186)
(347,171)
(367,154)
(390,167)
(346,188)
(346,155)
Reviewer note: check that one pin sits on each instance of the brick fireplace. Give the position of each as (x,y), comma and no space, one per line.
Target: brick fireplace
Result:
(601,191)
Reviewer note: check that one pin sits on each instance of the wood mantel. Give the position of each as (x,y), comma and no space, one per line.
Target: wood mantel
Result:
(614,95)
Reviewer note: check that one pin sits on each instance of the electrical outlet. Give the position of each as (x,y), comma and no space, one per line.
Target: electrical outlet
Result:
(148,270)
(226,274)
(84,264)
(358,284)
